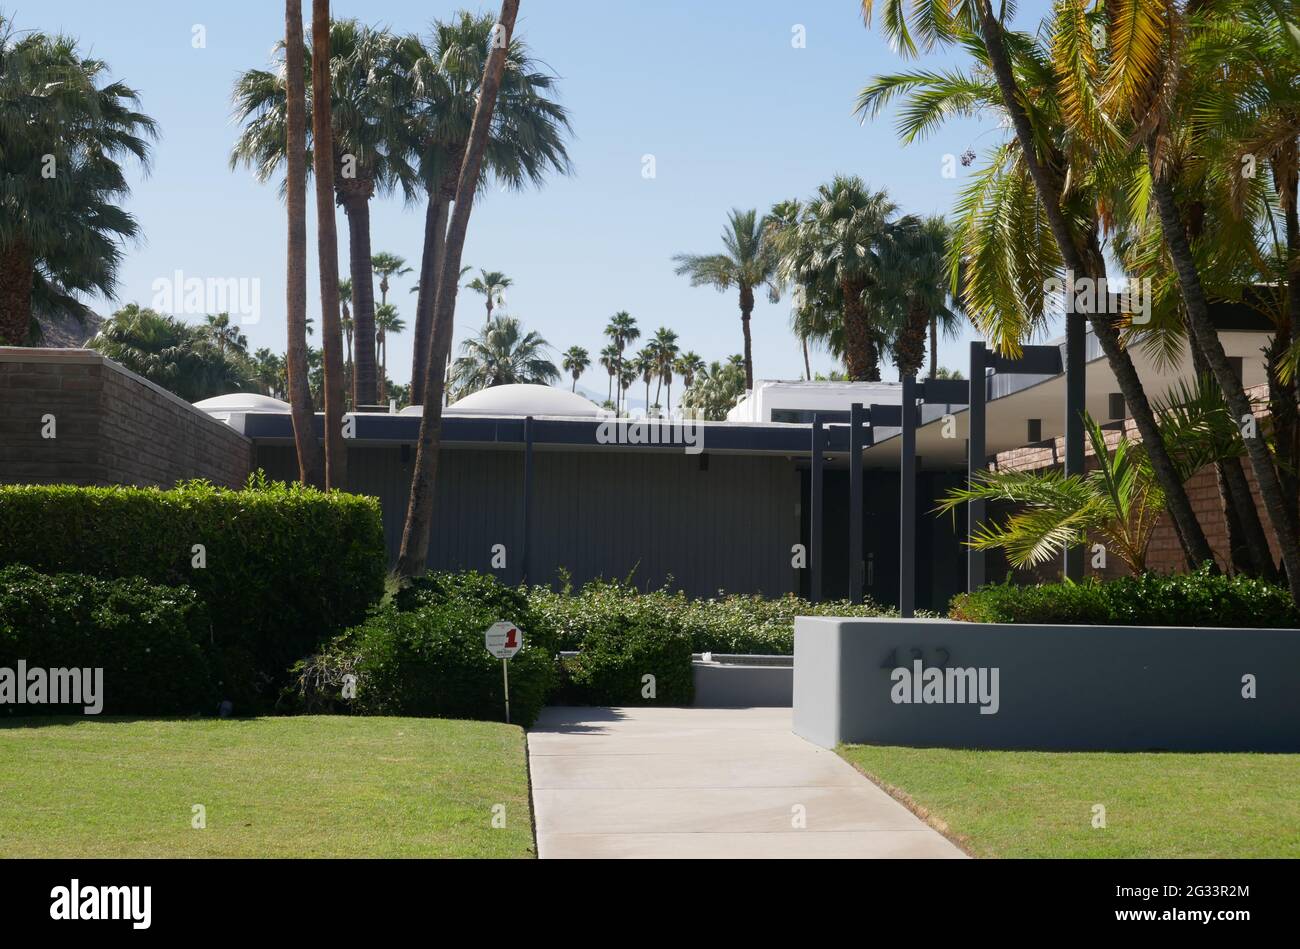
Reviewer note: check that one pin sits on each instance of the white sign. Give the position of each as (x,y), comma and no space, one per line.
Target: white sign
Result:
(503,640)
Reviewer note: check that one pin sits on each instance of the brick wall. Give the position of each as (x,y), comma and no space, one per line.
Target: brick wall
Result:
(1165,554)
(110,426)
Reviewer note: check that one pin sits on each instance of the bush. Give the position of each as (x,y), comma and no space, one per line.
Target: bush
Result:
(482,591)
(427,661)
(1197,599)
(614,659)
(287,567)
(149,640)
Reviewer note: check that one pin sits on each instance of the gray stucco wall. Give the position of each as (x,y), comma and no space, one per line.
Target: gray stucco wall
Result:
(1059,687)
(725,524)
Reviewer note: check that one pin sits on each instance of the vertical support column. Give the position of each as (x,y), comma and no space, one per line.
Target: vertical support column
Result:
(524,559)
(975,455)
(815,512)
(1076,366)
(857,419)
(907,505)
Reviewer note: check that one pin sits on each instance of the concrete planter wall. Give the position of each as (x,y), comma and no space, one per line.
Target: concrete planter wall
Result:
(734,681)
(1116,688)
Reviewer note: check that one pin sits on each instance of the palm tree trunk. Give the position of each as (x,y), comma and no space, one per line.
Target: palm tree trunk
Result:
(807,364)
(934,347)
(414,555)
(435,236)
(17,273)
(747,310)
(609,390)
(1085,258)
(297,370)
(357,210)
(1201,327)
(327,246)
(861,361)
(1282,393)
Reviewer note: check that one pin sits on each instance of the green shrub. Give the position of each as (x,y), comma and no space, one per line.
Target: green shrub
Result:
(615,658)
(427,661)
(287,567)
(1197,599)
(149,640)
(480,590)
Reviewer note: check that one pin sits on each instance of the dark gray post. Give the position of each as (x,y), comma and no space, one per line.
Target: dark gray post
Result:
(815,513)
(975,455)
(528,499)
(1076,365)
(857,419)
(907,505)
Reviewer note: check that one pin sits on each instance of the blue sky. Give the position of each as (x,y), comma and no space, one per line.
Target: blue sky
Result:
(734,114)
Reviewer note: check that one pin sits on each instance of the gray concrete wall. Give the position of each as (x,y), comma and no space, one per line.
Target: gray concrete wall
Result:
(111,426)
(1058,687)
(731,685)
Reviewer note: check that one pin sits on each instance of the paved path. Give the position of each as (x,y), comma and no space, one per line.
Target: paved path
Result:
(683,782)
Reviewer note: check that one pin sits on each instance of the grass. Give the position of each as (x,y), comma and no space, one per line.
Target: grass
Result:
(1040,804)
(272,787)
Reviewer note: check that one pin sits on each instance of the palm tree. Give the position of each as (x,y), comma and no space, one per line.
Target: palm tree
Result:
(1034,210)
(386,322)
(367,154)
(297,355)
(182,358)
(223,334)
(1120,500)
(388,266)
(493,286)
(347,325)
(647,365)
(716,389)
(527,139)
(609,361)
(576,361)
(621,330)
(268,372)
(833,253)
(918,282)
(502,354)
(666,352)
(61,237)
(747,262)
(414,555)
(689,365)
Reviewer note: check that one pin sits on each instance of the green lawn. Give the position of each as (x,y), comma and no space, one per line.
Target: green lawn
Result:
(272,787)
(1040,804)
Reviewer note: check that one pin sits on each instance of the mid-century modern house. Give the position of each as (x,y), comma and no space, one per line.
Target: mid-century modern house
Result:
(760,503)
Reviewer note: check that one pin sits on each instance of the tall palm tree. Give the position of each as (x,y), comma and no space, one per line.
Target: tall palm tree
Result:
(367,122)
(387,323)
(576,361)
(833,253)
(621,331)
(527,138)
(666,352)
(647,365)
(414,555)
(917,284)
(492,284)
(223,334)
(747,262)
(327,247)
(347,325)
(1038,186)
(61,237)
(689,365)
(311,468)
(388,266)
(502,354)
(609,362)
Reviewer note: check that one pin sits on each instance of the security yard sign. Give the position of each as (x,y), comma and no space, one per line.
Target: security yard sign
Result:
(503,640)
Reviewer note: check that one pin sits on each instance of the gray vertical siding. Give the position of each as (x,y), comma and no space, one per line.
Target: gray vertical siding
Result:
(652,514)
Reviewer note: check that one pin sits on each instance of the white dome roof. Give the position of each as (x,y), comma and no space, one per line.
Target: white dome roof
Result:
(523,400)
(242,402)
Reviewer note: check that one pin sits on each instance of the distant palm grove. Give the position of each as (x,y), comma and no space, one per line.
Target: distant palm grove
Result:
(1152,140)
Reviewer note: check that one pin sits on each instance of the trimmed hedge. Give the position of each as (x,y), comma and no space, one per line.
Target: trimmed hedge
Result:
(615,659)
(429,661)
(148,639)
(1196,599)
(287,567)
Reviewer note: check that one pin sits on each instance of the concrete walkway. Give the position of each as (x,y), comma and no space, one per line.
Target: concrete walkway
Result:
(683,782)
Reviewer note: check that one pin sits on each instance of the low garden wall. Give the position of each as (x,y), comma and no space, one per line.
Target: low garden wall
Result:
(1046,687)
